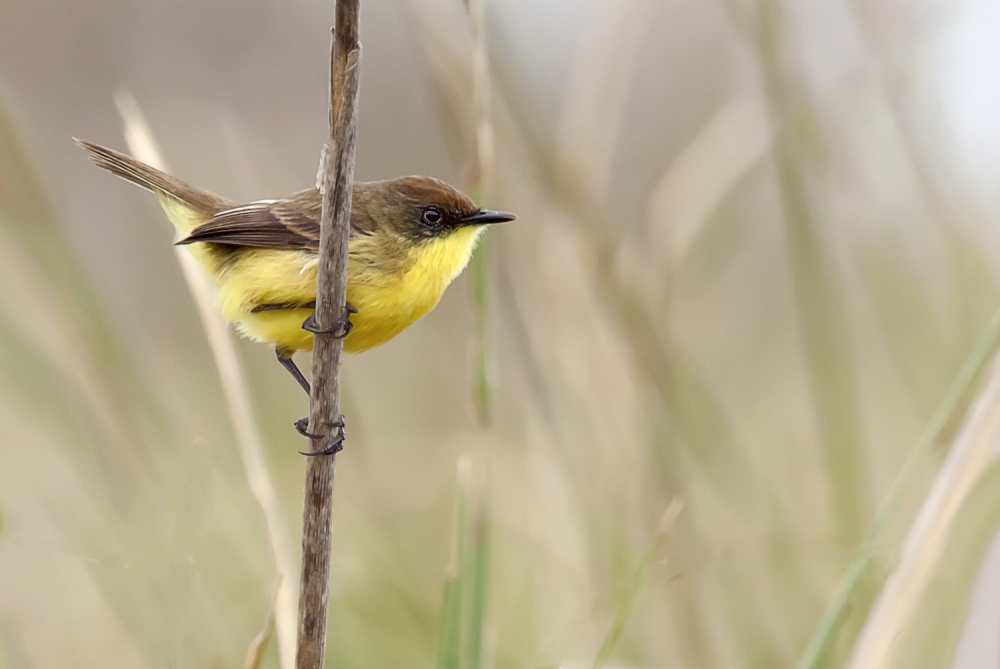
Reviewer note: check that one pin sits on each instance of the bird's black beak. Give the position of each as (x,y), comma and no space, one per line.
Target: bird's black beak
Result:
(485,217)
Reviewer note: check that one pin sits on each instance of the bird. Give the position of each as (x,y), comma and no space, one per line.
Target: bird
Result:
(409,238)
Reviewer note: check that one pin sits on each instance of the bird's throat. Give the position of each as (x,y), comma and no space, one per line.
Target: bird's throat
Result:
(390,302)
(444,258)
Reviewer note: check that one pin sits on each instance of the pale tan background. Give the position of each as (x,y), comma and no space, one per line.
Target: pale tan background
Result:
(743,276)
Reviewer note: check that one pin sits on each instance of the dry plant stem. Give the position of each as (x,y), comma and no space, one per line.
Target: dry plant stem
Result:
(258,646)
(830,623)
(331,298)
(143,146)
(969,457)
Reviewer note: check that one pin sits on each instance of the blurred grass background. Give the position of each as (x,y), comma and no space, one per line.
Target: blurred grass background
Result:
(757,242)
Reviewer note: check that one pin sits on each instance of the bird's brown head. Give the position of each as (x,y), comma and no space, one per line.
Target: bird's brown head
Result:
(421,208)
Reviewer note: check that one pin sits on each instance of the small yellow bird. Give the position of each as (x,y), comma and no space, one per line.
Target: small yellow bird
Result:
(410,237)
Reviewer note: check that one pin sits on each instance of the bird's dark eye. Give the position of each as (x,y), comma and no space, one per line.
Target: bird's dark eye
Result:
(432,216)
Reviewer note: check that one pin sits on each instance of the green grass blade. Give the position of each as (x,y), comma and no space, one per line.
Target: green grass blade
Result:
(466,590)
(956,400)
(634,587)
(480,269)
(450,639)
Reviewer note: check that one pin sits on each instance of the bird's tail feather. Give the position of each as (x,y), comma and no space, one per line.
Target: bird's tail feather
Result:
(201,204)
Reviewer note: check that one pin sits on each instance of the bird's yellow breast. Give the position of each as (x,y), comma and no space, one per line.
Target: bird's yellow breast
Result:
(390,292)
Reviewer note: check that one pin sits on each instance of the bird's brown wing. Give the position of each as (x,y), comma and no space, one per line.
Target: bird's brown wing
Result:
(289,223)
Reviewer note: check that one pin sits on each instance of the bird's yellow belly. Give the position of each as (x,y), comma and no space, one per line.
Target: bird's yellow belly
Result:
(387,302)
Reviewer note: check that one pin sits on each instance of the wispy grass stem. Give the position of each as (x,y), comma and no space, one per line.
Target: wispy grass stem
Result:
(142,144)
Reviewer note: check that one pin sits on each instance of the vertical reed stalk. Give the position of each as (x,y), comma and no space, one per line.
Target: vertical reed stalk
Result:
(331,308)
(466,589)
(822,312)
(482,193)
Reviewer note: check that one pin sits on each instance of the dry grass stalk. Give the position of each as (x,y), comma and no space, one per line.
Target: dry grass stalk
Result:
(142,144)
(970,456)
(258,645)
(590,128)
(953,404)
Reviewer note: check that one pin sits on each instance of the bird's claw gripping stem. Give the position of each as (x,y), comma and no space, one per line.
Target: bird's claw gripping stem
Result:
(336,443)
(340,330)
